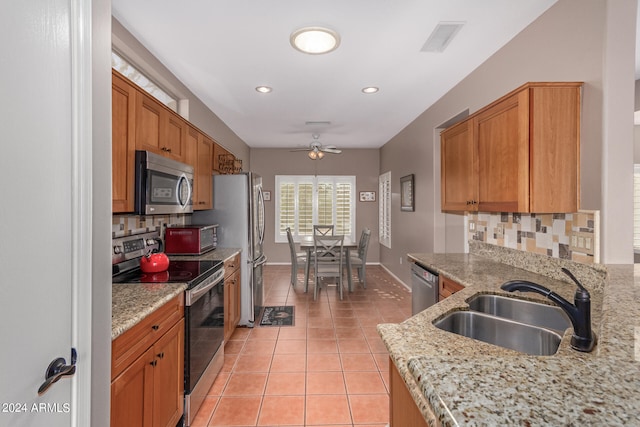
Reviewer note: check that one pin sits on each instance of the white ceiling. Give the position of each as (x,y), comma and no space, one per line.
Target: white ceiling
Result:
(221,50)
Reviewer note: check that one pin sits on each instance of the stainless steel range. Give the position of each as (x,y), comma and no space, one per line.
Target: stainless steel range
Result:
(204,310)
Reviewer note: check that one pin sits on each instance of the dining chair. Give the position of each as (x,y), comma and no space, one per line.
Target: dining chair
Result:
(359,259)
(298,260)
(328,260)
(323,230)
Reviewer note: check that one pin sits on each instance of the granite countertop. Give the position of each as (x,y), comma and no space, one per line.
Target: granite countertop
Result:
(132,302)
(459,381)
(218,254)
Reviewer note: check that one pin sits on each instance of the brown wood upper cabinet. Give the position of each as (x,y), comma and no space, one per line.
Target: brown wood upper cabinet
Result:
(521,153)
(199,155)
(159,129)
(140,122)
(123,143)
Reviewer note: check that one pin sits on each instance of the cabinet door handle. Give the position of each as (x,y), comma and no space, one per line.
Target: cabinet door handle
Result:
(161,355)
(155,327)
(153,363)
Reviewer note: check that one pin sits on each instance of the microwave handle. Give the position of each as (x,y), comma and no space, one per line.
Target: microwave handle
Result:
(183,178)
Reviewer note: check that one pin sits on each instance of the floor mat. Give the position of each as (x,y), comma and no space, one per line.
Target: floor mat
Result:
(277,316)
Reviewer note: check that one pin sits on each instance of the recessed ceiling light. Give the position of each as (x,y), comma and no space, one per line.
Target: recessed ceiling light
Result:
(264,89)
(315,40)
(370,89)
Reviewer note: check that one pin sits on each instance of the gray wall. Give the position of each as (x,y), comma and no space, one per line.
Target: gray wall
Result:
(364,164)
(101,215)
(564,44)
(199,114)
(636,130)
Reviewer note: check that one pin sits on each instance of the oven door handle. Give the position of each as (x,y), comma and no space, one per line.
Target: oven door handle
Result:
(196,293)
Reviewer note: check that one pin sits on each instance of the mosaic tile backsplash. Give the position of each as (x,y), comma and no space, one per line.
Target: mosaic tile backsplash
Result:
(124,225)
(573,236)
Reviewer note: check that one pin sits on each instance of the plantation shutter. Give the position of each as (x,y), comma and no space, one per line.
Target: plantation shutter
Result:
(287,203)
(384,206)
(305,209)
(325,203)
(302,201)
(344,202)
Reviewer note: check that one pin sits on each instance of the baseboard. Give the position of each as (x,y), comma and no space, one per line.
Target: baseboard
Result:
(288,263)
(395,277)
(369,263)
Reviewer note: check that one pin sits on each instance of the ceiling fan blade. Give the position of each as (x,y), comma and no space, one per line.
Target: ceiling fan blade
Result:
(331,150)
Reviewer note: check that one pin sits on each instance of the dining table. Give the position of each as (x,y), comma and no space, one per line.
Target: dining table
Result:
(307,245)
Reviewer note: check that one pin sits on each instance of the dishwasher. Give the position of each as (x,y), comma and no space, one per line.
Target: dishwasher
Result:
(424,288)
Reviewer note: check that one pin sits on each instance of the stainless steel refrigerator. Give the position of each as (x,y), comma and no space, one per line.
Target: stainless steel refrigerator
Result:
(238,209)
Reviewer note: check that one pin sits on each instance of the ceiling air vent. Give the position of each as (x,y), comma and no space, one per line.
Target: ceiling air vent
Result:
(442,36)
(318,123)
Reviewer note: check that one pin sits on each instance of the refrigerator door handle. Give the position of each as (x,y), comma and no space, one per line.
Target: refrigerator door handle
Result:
(261,260)
(261,207)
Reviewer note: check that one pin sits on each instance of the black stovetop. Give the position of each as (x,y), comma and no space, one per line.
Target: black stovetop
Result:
(186,271)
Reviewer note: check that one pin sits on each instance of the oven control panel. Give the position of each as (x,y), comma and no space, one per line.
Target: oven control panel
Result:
(135,246)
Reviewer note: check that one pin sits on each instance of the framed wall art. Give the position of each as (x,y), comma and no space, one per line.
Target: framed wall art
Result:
(406,193)
(367,196)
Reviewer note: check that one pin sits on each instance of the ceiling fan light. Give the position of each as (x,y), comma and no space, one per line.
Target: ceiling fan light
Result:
(313,155)
(320,155)
(315,40)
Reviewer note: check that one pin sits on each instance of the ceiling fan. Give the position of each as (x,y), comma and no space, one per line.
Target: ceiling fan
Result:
(316,150)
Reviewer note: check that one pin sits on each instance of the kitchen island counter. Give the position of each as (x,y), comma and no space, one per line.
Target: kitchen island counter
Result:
(459,381)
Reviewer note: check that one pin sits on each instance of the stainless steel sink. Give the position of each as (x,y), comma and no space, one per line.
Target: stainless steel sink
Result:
(501,332)
(531,313)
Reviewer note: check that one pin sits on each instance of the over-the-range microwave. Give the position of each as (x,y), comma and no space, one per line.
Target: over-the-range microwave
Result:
(163,186)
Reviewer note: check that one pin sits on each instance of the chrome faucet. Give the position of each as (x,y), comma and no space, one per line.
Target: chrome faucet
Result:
(583,338)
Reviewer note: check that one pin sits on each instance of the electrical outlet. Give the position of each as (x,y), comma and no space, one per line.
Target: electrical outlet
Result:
(472,226)
(581,241)
(500,231)
(400,260)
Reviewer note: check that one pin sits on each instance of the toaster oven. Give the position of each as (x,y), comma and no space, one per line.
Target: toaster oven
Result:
(190,239)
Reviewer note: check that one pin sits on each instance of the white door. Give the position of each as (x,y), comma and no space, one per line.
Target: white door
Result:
(45,220)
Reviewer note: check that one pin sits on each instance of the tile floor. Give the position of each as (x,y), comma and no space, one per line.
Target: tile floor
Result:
(329,369)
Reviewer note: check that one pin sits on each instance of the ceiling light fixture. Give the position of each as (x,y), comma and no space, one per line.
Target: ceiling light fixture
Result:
(264,89)
(316,154)
(315,40)
(370,89)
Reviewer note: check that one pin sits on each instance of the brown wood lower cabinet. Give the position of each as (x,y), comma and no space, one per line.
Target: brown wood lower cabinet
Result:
(403,411)
(448,287)
(231,295)
(149,391)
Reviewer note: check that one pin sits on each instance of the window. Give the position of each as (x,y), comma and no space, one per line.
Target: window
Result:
(384,206)
(636,207)
(302,201)
(122,66)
